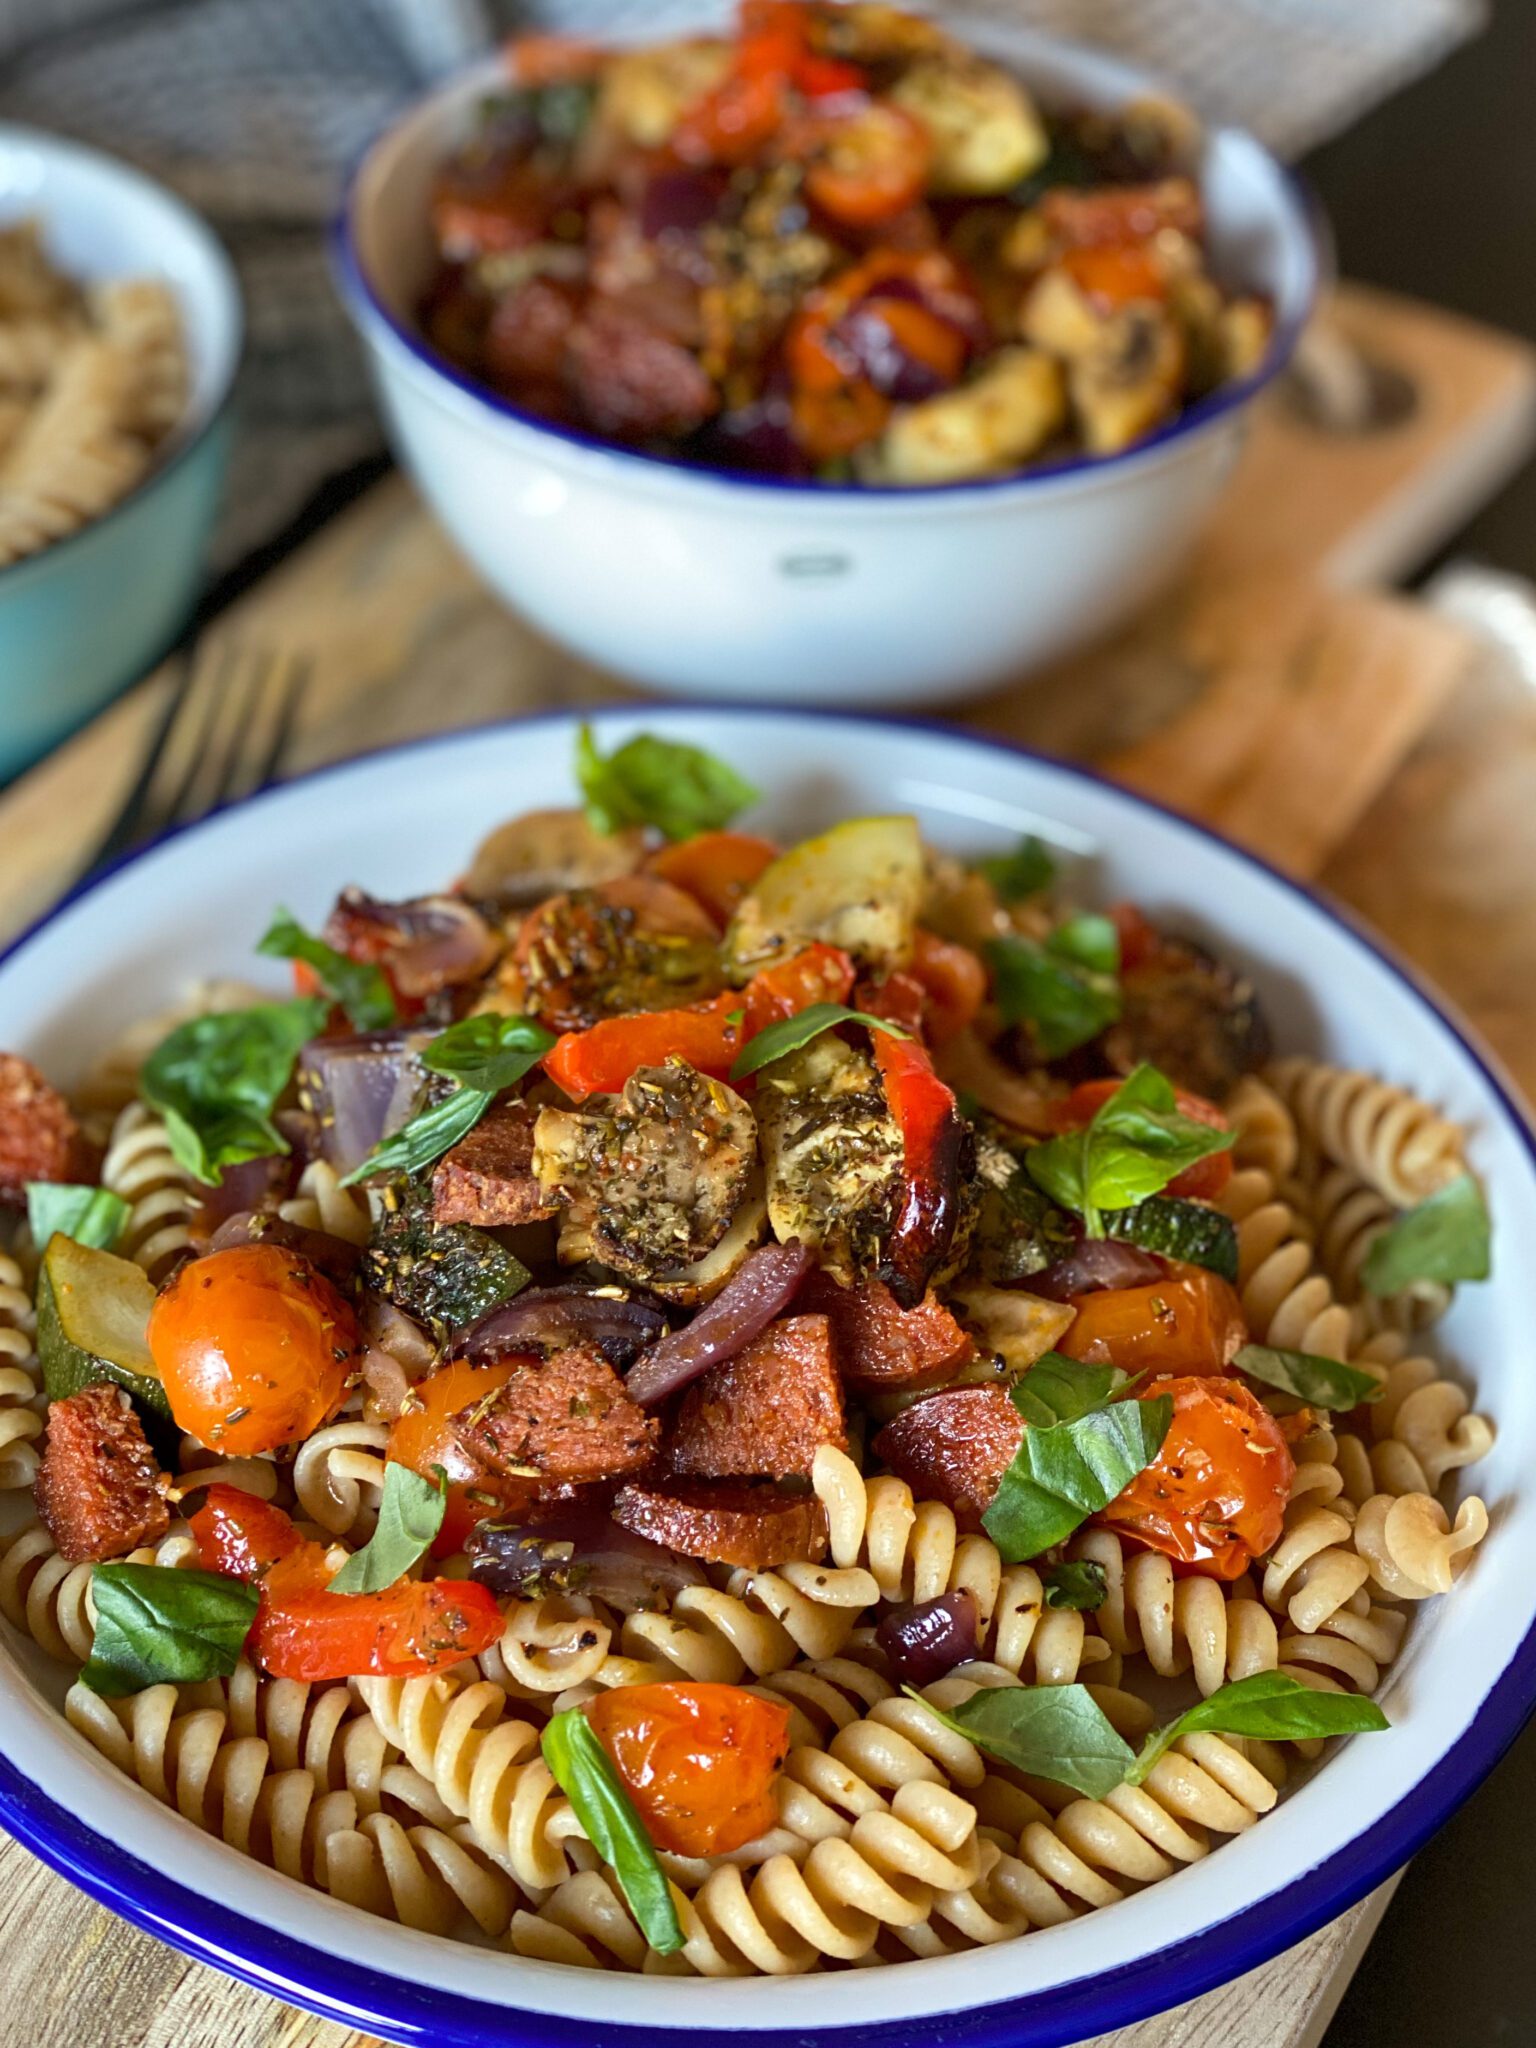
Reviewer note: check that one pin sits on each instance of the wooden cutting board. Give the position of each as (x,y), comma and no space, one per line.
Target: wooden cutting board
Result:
(1273,693)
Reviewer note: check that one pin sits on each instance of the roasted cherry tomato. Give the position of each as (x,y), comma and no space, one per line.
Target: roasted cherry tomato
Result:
(953,978)
(637,943)
(1189,1323)
(1113,277)
(1139,937)
(817,974)
(699,1761)
(254,1346)
(1214,1497)
(304,1631)
(422,1437)
(898,996)
(553,59)
(1203,1181)
(716,868)
(869,164)
(1116,216)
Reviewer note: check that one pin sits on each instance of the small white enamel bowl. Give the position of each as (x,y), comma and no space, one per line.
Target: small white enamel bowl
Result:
(1462,1688)
(89,615)
(704,583)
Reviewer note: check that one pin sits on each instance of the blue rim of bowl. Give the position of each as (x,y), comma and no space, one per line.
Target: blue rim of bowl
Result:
(364,304)
(219,408)
(362,1996)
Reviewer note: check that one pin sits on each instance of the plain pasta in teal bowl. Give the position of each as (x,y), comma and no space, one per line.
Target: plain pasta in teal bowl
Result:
(120,332)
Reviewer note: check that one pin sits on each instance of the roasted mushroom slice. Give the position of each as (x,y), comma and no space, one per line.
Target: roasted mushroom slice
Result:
(832,1155)
(652,1181)
(531,857)
(1191,1015)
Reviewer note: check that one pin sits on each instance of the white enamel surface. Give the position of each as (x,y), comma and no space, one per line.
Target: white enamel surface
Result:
(102,219)
(403,822)
(701,587)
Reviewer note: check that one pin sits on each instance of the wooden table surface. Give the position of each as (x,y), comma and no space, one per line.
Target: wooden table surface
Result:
(1349,734)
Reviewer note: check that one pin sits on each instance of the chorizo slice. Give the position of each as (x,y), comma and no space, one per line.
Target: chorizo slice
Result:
(487,1178)
(39,1138)
(725,1521)
(884,1349)
(955,1447)
(763,1413)
(98,1489)
(566,1418)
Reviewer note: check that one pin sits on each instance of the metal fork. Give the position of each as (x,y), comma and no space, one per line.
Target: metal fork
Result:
(222,734)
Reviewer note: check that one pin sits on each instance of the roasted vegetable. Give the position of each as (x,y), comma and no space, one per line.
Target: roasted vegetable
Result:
(93,1313)
(1000,419)
(986,135)
(1189,1015)
(445,1275)
(832,1154)
(857,887)
(1174,1229)
(1019,1229)
(531,857)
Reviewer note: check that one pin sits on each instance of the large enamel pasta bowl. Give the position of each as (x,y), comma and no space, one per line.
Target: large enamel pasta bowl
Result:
(1463,1686)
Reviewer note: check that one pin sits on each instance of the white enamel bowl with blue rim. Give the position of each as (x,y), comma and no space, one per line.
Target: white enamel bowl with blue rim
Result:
(705,583)
(89,615)
(402,820)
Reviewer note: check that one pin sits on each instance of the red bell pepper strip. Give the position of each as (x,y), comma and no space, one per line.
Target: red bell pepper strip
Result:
(934,1143)
(599,1060)
(304,1631)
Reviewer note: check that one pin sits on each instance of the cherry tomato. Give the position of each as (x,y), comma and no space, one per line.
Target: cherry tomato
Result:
(1139,937)
(817,974)
(304,1631)
(422,1437)
(553,59)
(900,997)
(716,868)
(636,943)
(954,980)
(699,1761)
(1115,276)
(830,424)
(1191,1324)
(869,164)
(1203,1181)
(253,1346)
(1116,216)
(1214,1497)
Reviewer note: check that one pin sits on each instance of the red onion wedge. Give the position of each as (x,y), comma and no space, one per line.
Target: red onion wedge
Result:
(429,943)
(742,1310)
(550,1319)
(359,1090)
(925,1641)
(252,1184)
(578,1550)
(1092,1263)
(336,1257)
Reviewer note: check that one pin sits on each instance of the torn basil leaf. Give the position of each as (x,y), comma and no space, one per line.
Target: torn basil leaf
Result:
(361,988)
(91,1216)
(1067,1470)
(1271,1705)
(411,1512)
(1030,868)
(1078,1583)
(584,1772)
(158,1625)
(1065,987)
(488,1051)
(1058,1732)
(790,1033)
(1445,1239)
(679,789)
(1138,1141)
(1321,1382)
(217,1079)
(430,1133)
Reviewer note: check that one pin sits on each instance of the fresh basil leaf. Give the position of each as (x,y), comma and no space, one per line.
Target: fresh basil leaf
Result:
(651,781)
(1133,1147)
(1445,1238)
(1030,868)
(1058,1389)
(91,1216)
(1321,1382)
(1077,1583)
(216,1081)
(584,1772)
(489,1052)
(411,1512)
(430,1133)
(1064,988)
(1191,1232)
(790,1033)
(1058,1732)
(157,1625)
(362,990)
(1062,1474)
(1272,1705)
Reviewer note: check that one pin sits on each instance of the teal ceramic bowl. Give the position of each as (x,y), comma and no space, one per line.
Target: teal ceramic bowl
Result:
(88,616)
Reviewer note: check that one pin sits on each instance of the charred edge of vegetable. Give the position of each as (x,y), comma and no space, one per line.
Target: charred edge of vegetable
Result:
(933,1200)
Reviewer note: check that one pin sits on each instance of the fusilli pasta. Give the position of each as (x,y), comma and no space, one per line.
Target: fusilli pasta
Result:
(1395,1143)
